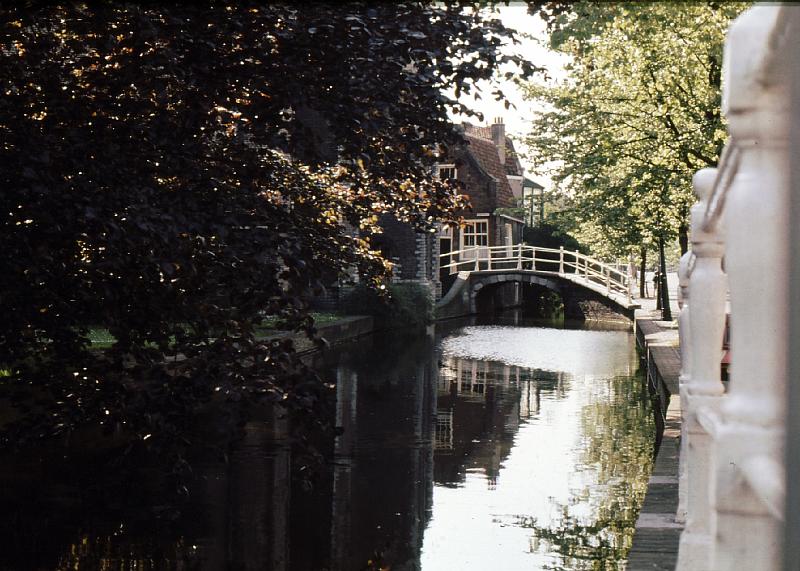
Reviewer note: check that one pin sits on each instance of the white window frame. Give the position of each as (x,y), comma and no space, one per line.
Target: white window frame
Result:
(477,241)
(446,167)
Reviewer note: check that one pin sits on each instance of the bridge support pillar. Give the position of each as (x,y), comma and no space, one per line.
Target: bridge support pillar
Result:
(582,304)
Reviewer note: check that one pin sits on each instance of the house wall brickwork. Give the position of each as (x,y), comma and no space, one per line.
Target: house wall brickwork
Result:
(399,245)
(414,253)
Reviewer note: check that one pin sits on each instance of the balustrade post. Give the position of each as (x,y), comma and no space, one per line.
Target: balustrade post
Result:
(519,256)
(533,258)
(703,387)
(749,455)
(684,338)
(561,259)
(577,264)
(608,279)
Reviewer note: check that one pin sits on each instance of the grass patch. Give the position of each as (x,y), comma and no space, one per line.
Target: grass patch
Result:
(271,325)
(325,318)
(100,338)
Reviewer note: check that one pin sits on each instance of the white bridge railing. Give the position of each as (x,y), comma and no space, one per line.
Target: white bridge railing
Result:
(733,480)
(574,266)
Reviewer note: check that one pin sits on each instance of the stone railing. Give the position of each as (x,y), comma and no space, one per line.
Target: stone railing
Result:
(733,479)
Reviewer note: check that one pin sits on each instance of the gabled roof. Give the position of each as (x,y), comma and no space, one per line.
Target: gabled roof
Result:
(485,153)
(528,183)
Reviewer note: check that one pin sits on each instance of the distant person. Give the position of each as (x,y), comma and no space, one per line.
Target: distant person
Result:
(657,288)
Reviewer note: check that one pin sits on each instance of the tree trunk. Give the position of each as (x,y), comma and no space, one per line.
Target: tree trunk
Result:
(642,268)
(683,238)
(666,314)
(657,287)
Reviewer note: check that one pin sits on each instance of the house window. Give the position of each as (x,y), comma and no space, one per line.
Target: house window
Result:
(446,171)
(466,378)
(479,386)
(443,438)
(475,233)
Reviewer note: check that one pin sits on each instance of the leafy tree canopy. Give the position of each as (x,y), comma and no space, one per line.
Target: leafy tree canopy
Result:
(637,116)
(177,172)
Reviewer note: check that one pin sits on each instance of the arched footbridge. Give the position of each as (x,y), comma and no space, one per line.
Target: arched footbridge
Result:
(588,287)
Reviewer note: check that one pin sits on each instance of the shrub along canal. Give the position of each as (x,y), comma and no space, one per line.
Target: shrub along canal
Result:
(506,445)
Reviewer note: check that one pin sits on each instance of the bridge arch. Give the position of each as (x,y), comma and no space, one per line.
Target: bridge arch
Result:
(581,301)
(493,290)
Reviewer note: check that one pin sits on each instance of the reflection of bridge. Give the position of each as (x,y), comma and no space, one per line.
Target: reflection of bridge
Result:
(580,279)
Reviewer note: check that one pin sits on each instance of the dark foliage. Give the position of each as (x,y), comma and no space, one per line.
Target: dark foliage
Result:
(176,172)
(550,236)
(406,305)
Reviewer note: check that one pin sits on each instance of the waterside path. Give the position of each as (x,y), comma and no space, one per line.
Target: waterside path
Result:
(655,542)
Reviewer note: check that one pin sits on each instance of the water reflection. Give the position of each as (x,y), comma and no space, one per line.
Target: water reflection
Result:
(550,467)
(383,460)
(480,405)
(470,447)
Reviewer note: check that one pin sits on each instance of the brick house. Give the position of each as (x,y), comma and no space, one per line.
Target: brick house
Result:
(490,171)
(492,177)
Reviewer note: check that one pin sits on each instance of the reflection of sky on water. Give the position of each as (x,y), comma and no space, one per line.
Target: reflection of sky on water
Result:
(483,524)
(577,352)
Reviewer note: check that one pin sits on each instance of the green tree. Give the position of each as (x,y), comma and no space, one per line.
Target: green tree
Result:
(175,173)
(637,116)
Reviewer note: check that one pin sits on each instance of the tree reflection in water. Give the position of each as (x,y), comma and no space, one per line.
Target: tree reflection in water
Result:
(618,434)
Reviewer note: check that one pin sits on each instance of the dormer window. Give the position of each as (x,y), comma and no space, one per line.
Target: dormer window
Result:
(446,171)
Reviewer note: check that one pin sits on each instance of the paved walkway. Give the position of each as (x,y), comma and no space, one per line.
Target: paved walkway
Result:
(655,542)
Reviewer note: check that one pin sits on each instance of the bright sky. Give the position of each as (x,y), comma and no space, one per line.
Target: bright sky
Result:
(517,118)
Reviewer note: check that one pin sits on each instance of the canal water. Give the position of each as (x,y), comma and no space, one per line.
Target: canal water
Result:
(508,445)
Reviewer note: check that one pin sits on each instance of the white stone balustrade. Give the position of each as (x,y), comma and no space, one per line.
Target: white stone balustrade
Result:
(749,433)
(733,452)
(702,387)
(684,270)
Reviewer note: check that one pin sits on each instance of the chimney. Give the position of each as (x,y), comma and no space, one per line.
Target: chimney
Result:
(499,138)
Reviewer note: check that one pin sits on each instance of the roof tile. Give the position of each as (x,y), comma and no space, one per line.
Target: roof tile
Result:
(485,153)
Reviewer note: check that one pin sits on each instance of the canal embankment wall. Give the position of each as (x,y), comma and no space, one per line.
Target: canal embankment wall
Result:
(657,535)
(347,328)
